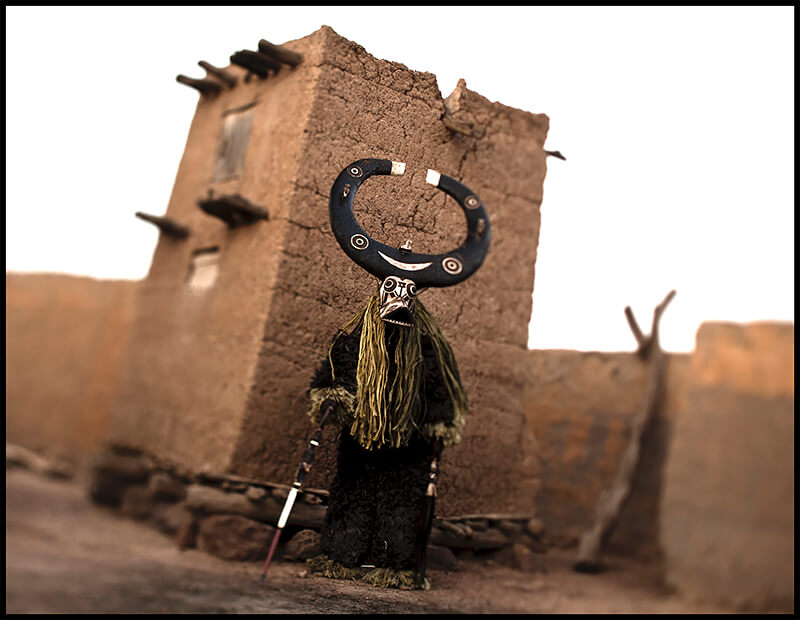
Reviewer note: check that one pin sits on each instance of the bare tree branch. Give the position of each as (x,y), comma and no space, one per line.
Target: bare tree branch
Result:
(641,340)
(611,501)
(657,315)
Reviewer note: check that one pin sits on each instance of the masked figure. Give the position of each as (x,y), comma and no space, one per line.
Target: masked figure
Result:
(397,391)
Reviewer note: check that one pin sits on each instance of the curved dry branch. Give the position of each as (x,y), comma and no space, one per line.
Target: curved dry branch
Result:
(611,501)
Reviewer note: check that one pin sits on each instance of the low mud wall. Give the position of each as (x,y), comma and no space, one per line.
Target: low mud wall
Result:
(712,498)
(65,337)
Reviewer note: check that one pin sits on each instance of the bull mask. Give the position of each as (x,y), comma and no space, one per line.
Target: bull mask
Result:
(404,273)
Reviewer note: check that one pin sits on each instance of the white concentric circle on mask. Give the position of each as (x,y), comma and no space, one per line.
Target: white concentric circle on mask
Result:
(452,265)
(359,242)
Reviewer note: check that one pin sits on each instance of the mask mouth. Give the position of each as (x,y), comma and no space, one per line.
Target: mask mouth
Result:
(397,313)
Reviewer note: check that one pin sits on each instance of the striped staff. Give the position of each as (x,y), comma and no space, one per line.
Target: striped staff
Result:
(302,470)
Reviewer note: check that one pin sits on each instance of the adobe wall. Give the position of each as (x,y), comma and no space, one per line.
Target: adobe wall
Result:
(712,502)
(580,406)
(727,516)
(65,339)
(366,107)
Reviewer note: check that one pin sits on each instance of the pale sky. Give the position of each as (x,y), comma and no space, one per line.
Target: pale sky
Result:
(677,124)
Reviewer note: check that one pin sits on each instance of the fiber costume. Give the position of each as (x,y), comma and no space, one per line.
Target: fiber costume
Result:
(397,392)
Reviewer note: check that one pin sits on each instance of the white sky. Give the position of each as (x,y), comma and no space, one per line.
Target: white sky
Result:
(677,125)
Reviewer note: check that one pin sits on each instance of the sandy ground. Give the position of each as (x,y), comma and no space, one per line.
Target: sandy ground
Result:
(67,555)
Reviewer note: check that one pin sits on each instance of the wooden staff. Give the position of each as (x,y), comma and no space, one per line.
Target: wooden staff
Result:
(425,521)
(305,466)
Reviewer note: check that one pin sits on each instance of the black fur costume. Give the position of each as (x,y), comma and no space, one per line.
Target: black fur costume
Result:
(377,494)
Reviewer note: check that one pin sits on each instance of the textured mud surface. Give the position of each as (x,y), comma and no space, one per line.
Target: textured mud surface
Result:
(66,555)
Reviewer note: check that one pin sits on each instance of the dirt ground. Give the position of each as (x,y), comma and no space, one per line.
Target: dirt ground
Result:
(67,555)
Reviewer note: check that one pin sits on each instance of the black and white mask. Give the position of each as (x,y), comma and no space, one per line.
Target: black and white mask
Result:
(397,299)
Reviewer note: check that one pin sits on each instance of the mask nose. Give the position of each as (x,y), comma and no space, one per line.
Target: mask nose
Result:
(397,312)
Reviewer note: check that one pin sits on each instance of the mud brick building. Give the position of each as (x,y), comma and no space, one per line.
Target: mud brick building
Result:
(233,317)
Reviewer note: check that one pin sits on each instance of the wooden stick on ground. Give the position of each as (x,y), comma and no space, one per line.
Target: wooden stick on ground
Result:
(611,501)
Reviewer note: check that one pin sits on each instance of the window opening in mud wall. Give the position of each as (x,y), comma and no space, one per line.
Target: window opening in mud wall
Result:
(233,143)
(203,269)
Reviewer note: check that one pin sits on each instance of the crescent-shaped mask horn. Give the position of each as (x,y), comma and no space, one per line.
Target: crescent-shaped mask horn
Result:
(381,260)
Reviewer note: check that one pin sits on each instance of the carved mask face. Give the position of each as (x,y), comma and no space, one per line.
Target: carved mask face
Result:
(397,298)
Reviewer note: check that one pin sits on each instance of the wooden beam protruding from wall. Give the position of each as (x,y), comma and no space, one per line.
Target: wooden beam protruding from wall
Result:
(233,210)
(228,78)
(165,224)
(281,54)
(205,86)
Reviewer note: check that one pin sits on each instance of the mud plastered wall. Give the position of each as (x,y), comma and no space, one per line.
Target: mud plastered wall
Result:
(65,340)
(365,107)
(727,513)
(711,503)
(581,406)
